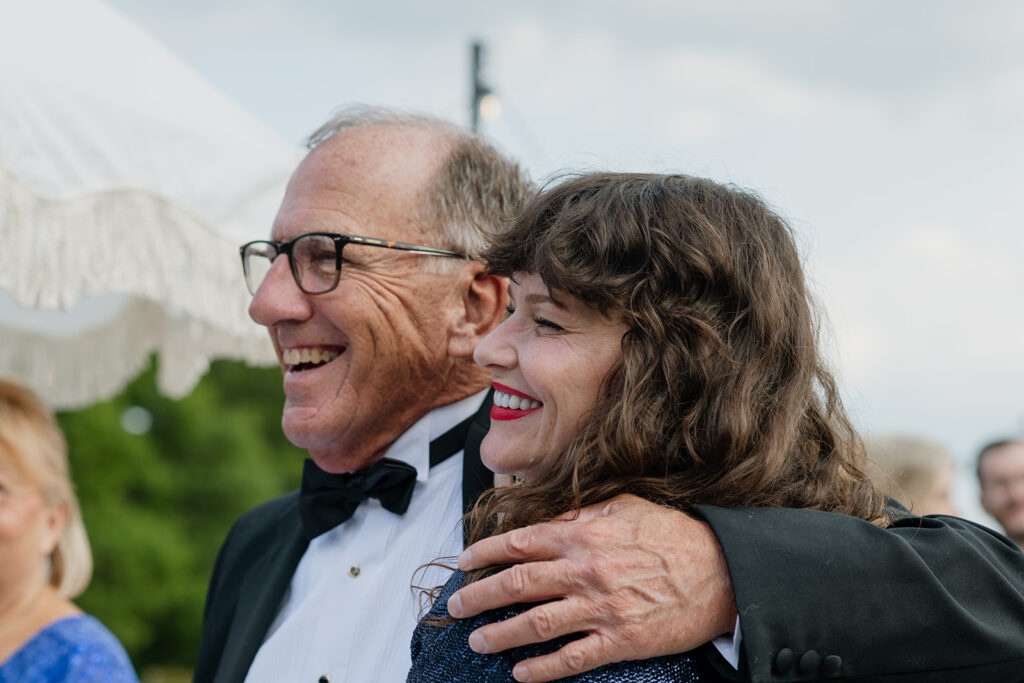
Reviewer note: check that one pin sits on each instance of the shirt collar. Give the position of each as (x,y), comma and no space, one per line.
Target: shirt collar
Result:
(413,447)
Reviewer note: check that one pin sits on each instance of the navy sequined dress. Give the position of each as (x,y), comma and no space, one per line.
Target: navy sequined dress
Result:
(70,650)
(441,654)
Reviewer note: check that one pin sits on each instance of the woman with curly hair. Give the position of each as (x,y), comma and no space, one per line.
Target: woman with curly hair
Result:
(660,342)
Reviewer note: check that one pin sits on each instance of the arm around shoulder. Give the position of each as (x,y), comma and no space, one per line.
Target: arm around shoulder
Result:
(823,595)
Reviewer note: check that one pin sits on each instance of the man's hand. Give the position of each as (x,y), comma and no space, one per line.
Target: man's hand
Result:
(638,579)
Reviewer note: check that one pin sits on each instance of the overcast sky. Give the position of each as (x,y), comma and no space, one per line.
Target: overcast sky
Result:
(889,134)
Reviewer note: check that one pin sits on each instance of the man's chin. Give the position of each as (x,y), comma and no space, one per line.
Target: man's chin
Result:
(322,441)
(302,427)
(339,464)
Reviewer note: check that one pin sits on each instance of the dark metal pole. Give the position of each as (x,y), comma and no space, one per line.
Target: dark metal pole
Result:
(477,87)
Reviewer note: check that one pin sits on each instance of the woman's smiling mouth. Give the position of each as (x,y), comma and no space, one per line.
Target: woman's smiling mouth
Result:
(510,404)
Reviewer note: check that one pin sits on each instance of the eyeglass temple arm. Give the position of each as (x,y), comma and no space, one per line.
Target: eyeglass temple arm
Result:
(403,246)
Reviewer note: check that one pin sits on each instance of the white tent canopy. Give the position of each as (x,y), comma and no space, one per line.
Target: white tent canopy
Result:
(126,185)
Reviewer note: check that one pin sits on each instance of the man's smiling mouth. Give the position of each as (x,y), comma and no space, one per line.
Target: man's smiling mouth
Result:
(306,358)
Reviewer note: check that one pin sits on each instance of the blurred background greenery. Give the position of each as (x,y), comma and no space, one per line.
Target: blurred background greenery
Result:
(160,482)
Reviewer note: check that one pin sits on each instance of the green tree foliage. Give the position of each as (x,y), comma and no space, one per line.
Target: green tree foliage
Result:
(157,505)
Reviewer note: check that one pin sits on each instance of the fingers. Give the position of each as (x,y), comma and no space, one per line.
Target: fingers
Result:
(571,659)
(545,541)
(519,583)
(536,625)
(539,542)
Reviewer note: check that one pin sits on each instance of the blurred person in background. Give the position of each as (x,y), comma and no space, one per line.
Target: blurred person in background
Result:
(1001,475)
(916,472)
(45,559)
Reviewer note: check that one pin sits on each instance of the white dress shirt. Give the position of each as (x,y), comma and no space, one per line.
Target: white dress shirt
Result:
(350,611)
(728,645)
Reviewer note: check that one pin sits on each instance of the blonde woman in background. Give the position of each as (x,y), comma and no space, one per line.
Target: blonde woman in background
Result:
(45,559)
(916,472)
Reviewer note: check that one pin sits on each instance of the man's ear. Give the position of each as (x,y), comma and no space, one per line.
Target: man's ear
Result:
(480,309)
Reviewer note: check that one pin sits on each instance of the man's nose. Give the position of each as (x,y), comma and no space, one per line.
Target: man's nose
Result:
(278,297)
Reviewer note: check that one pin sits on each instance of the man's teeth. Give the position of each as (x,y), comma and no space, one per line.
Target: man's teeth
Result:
(506,400)
(308,355)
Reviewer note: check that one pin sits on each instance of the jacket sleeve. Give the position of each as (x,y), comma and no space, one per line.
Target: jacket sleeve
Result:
(826,596)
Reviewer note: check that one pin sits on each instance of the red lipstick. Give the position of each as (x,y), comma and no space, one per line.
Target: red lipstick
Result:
(499,413)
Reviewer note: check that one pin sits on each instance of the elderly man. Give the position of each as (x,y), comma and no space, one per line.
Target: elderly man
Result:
(375,338)
(1001,476)
(374,303)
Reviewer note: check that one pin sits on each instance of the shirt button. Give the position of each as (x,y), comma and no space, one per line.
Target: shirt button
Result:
(353,571)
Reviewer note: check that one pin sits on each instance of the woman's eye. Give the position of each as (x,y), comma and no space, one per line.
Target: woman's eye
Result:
(543,322)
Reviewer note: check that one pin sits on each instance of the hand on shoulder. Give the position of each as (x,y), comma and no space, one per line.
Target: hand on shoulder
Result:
(640,580)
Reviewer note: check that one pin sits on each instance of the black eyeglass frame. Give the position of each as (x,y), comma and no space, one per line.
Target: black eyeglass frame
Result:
(340,240)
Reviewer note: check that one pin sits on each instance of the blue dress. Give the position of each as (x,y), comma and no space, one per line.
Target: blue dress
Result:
(70,650)
(441,654)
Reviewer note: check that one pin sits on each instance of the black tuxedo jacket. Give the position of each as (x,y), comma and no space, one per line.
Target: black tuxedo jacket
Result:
(823,596)
(258,558)
(820,596)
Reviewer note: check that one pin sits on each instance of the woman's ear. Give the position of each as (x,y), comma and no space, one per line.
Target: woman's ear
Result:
(481,308)
(503,480)
(56,519)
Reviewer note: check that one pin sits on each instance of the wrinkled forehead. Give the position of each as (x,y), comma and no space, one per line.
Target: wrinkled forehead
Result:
(372,182)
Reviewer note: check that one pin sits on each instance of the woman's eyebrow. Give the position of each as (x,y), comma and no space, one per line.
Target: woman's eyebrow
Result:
(543,299)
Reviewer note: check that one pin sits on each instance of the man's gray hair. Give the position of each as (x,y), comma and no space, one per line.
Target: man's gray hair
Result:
(475,194)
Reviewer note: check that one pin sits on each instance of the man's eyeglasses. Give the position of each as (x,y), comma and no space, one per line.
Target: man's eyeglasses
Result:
(315,258)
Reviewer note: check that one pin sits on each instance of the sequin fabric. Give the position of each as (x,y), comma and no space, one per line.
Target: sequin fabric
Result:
(72,650)
(441,654)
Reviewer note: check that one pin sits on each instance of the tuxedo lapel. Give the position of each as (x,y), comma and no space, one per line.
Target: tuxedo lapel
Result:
(476,478)
(260,594)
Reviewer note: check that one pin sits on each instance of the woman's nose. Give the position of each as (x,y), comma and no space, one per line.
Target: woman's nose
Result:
(496,349)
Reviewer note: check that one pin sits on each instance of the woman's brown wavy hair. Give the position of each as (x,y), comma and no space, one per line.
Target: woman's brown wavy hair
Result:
(722,396)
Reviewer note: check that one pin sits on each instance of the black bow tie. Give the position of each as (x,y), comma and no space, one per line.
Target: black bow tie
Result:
(326,500)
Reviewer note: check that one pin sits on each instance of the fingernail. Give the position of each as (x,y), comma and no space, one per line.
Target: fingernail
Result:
(477,643)
(521,673)
(464,559)
(455,606)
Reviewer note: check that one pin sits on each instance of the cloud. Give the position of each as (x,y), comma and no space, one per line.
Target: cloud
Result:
(726,93)
(739,79)
(929,300)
